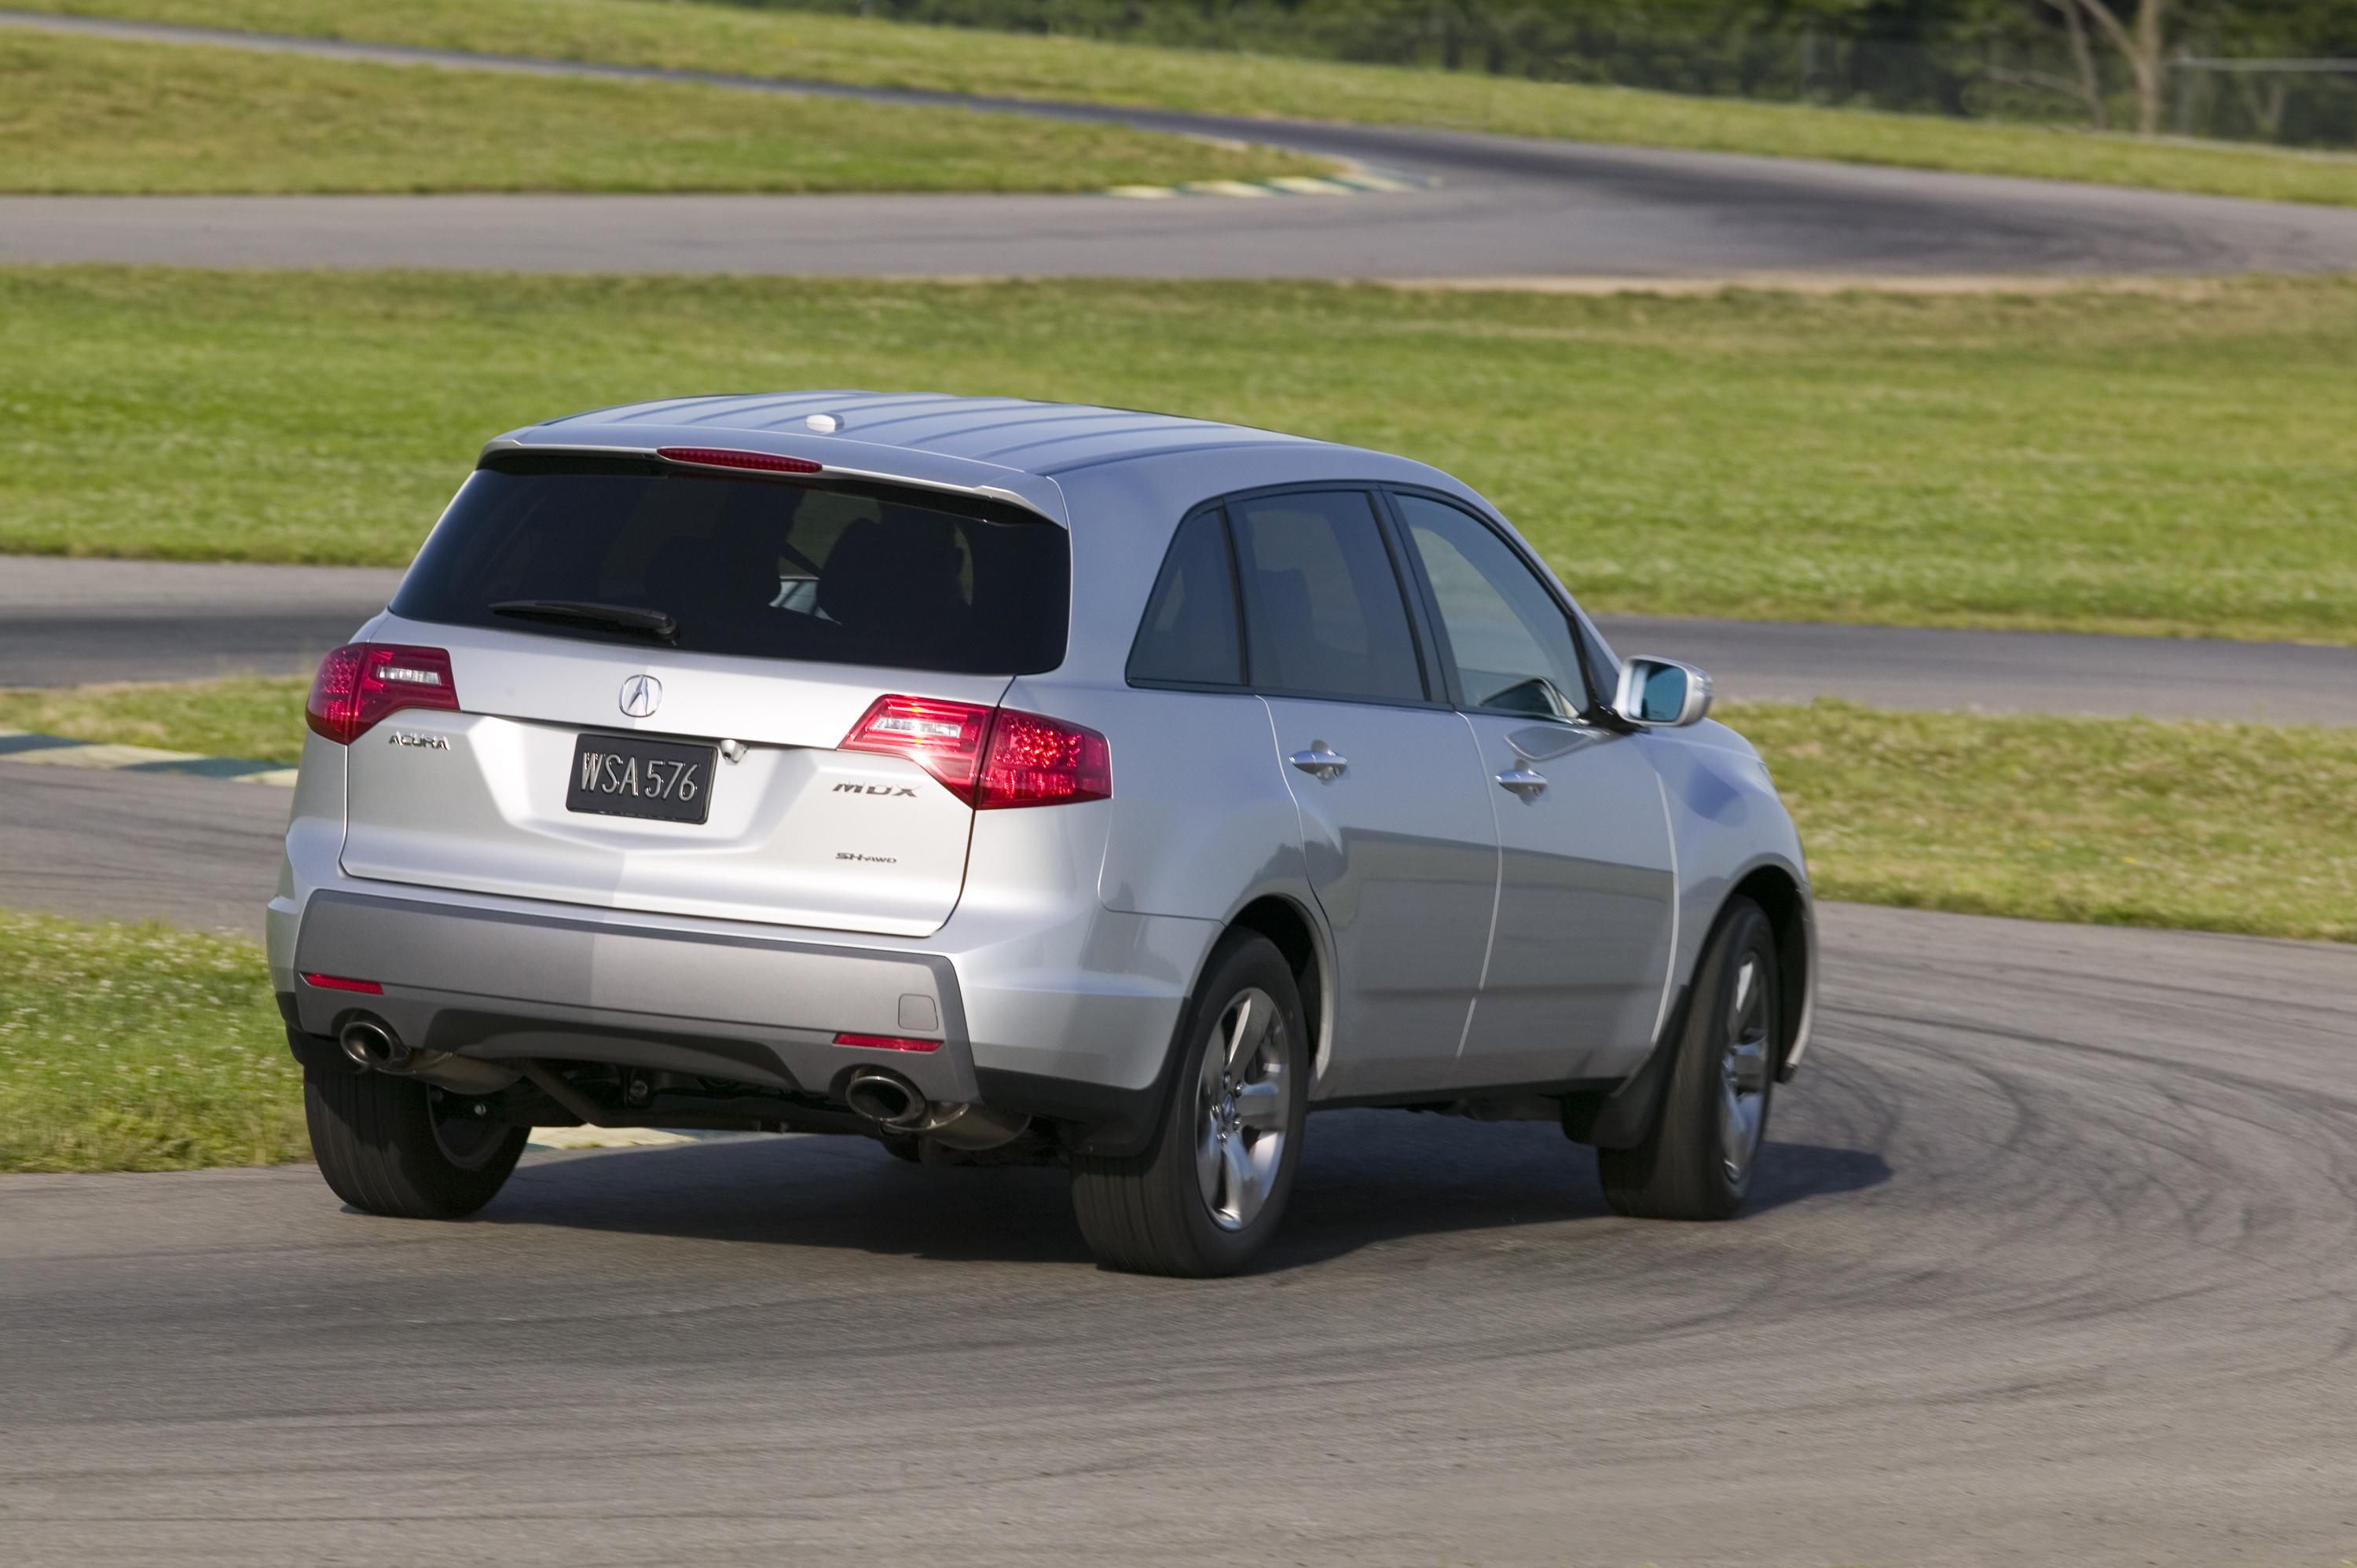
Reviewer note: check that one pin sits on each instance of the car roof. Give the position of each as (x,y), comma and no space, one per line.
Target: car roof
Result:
(1039,438)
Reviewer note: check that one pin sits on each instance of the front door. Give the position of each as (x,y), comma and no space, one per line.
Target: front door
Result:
(1578,975)
(1395,821)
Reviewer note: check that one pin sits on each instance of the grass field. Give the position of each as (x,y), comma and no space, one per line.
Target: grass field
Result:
(254,717)
(2111,822)
(2104,821)
(139,1048)
(2179,463)
(92,115)
(846,48)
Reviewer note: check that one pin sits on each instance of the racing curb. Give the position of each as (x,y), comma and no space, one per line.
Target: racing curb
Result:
(24,745)
(1349,182)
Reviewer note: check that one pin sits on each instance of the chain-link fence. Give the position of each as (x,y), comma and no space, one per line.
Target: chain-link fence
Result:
(1980,58)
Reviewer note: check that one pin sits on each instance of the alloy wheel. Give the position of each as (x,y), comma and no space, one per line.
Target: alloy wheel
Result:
(1743,1070)
(1243,1105)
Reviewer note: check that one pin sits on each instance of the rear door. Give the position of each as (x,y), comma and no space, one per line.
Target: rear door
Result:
(1578,968)
(1395,821)
(658,670)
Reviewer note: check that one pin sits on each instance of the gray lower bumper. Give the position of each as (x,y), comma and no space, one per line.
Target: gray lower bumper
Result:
(494,984)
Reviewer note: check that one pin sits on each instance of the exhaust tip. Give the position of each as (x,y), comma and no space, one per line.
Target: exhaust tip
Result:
(880,1097)
(371,1044)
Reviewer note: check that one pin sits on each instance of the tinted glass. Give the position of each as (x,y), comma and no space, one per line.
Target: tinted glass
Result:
(771,569)
(1323,605)
(1188,635)
(1509,637)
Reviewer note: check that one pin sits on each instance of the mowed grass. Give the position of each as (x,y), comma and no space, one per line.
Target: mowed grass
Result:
(141,1049)
(2212,827)
(256,717)
(2177,463)
(2112,821)
(852,50)
(92,115)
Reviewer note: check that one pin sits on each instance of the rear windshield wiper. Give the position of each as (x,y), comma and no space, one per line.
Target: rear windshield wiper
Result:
(659,624)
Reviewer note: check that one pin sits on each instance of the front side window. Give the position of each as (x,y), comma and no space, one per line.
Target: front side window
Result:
(1324,613)
(635,550)
(1189,637)
(1508,638)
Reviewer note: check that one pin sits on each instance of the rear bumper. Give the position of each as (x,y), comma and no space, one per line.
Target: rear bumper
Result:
(498,984)
(1066,1011)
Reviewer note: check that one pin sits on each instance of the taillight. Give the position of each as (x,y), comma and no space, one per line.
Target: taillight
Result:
(990,758)
(1035,761)
(731,457)
(361,683)
(943,738)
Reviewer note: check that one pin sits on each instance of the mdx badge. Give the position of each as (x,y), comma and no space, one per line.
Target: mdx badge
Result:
(641,696)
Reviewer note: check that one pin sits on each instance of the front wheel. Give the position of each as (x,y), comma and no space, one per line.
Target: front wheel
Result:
(1209,1192)
(396,1147)
(1698,1160)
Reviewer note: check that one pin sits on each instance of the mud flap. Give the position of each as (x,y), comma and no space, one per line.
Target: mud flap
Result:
(1623,1119)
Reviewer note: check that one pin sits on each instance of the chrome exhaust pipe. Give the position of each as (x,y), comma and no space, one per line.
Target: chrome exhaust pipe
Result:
(882,1097)
(893,1101)
(372,1043)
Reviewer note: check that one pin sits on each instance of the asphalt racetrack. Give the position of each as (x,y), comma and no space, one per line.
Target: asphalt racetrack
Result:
(1505,208)
(2054,1261)
(67,622)
(2053,1257)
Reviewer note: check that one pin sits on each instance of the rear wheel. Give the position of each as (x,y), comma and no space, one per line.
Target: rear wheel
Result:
(1209,1192)
(1697,1163)
(397,1147)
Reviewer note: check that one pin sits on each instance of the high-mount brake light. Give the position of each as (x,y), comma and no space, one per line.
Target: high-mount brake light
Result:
(361,683)
(731,457)
(887,1042)
(992,758)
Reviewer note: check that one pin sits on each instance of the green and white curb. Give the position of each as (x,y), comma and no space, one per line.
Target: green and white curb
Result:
(1351,182)
(56,751)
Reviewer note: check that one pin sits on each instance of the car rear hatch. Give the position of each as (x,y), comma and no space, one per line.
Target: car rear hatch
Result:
(693,688)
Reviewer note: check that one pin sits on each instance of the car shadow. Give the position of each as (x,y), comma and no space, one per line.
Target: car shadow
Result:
(1366,1177)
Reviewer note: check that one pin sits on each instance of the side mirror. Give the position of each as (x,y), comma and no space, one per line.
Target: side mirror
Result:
(1661,693)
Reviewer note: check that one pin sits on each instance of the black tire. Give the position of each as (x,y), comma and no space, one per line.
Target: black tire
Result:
(1149,1213)
(388,1146)
(1727,1051)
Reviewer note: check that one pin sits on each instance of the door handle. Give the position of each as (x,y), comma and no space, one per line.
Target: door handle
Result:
(1321,762)
(1523,782)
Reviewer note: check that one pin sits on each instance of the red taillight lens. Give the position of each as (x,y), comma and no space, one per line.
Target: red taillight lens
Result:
(361,683)
(1035,761)
(729,457)
(339,983)
(887,1042)
(943,738)
(990,758)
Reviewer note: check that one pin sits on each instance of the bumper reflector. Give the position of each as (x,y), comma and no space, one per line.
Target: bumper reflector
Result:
(339,983)
(887,1042)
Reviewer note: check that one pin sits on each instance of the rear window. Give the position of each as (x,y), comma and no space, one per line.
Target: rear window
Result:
(768,568)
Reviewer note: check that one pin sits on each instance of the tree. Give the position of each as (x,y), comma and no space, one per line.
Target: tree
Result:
(2141,38)
(2091,80)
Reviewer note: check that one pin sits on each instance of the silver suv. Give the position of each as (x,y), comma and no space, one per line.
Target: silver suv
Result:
(1009,781)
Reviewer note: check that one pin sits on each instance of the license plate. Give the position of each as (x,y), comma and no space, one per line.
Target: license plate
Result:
(623,776)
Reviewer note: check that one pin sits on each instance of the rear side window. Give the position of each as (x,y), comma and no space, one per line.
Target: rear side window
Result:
(763,568)
(1190,636)
(1324,612)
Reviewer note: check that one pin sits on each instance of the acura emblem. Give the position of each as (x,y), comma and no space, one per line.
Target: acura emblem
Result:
(641,696)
